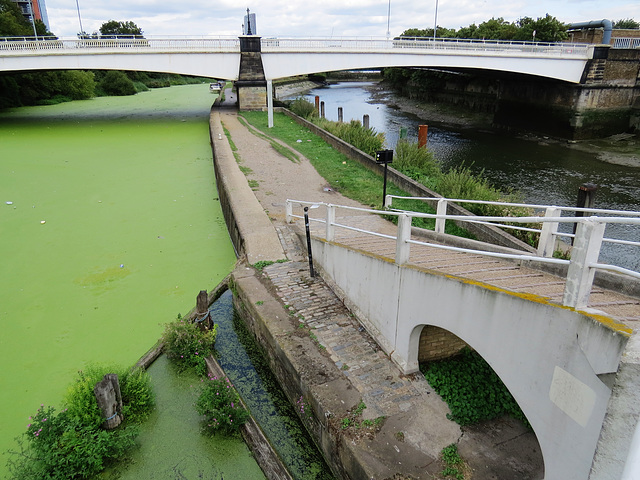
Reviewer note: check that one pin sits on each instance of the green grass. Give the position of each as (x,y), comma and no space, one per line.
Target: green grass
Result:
(344,175)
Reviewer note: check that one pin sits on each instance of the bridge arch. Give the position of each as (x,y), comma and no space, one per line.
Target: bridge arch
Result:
(551,358)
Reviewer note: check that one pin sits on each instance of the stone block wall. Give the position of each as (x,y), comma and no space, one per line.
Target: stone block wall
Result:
(437,343)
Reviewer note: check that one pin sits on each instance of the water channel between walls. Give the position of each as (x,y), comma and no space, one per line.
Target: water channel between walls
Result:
(110,224)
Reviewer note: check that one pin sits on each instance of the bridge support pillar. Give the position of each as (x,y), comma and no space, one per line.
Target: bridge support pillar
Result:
(251,84)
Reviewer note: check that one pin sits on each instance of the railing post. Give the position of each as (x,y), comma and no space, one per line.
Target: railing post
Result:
(547,241)
(441,210)
(289,211)
(404,233)
(585,252)
(330,221)
(388,200)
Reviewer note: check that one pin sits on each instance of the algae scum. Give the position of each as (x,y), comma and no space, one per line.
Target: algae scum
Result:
(109,227)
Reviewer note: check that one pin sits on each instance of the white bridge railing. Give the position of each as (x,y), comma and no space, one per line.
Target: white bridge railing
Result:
(587,240)
(120,44)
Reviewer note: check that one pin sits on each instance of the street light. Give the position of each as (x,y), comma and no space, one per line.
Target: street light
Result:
(435,22)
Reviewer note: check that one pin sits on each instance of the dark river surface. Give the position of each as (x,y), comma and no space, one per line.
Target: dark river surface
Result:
(545,173)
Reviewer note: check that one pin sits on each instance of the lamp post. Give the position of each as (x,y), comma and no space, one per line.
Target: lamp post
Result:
(388,20)
(79,18)
(435,22)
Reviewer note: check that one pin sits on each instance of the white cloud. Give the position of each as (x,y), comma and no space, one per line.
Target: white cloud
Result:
(312,19)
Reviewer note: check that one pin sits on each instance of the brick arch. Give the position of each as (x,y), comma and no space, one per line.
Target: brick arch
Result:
(437,343)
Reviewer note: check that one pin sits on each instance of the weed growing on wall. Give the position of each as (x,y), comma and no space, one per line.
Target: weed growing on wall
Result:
(471,388)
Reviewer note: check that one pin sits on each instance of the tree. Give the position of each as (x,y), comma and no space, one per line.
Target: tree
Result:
(117,83)
(627,23)
(547,29)
(113,27)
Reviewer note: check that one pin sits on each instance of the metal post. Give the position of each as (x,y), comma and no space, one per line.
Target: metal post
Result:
(289,211)
(404,234)
(441,209)
(321,109)
(365,121)
(306,227)
(330,224)
(384,186)
(422,135)
(270,103)
(586,199)
(547,241)
(340,114)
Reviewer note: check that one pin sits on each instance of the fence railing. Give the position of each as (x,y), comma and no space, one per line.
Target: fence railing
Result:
(582,266)
(119,44)
(626,42)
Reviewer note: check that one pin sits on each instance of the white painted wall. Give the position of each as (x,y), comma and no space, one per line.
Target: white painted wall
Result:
(548,356)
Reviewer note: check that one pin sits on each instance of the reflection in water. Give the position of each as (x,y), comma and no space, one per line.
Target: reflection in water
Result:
(544,173)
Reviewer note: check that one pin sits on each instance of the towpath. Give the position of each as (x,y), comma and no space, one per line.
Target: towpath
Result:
(416,429)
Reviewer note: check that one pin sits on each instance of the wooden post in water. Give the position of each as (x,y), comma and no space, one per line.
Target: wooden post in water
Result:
(107,392)
(203,319)
(365,121)
(321,109)
(317,104)
(340,114)
(422,135)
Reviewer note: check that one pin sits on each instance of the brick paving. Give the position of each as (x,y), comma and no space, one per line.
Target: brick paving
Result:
(383,389)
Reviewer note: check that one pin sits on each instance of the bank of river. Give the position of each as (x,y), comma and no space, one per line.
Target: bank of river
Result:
(109,227)
(545,171)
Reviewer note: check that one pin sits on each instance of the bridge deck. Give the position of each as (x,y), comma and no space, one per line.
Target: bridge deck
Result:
(504,274)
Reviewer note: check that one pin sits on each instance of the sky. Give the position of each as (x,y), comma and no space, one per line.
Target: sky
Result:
(312,18)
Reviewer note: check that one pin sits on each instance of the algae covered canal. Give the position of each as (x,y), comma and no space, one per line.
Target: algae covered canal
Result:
(109,227)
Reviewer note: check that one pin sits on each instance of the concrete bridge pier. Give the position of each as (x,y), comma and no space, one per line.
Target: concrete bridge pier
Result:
(251,84)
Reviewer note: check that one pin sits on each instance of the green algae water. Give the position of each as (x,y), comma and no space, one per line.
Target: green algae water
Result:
(109,227)
(243,361)
(171,446)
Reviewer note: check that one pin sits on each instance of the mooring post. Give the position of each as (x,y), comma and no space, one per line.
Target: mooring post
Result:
(422,135)
(365,121)
(202,311)
(586,199)
(321,109)
(317,104)
(109,399)
(340,114)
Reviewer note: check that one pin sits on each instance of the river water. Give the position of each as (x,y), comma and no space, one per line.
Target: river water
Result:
(109,227)
(543,171)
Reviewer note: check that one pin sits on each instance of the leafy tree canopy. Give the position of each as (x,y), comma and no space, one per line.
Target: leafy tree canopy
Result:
(547,29)
(627,23)
(113,27)
(13,23)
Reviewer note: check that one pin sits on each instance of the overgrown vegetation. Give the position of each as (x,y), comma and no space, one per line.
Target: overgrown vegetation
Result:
(220,404)
(187,346)
(70,444)
(471,389)
(453,463)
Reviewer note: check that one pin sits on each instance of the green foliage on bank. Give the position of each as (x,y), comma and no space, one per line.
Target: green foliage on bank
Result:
(471,389)
(220,405)
(71,443)
(187,345)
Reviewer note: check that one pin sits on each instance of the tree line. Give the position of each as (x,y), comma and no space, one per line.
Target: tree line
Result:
(56,86)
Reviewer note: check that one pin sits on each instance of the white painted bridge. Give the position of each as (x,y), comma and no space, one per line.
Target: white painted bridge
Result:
(219,57)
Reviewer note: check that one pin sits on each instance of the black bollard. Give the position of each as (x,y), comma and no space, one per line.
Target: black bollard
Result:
(306,227)
(586,199)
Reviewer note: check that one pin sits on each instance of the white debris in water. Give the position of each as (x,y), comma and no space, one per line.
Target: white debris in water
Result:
(9,203)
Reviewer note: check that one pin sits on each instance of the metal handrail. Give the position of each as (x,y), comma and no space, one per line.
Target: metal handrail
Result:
(582,266)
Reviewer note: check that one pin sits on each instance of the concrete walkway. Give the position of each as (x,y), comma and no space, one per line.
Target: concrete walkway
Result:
(416,427)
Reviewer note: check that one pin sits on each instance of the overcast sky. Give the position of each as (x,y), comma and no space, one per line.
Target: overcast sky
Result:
(314,18)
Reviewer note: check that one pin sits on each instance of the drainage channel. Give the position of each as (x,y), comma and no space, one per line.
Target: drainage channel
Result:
(242,360)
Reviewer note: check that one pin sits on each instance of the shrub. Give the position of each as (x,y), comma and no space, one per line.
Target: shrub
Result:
(354,133)
(187,345)
(303,108)
(471,388)
(117,83)
(415,162)
(220,404)
(71,443)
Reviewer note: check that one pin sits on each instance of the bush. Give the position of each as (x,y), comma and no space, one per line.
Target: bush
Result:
(354,133)
(471,388)
(71,443)
(188,346)
(220,404)
(116,83)
(303,108)
(415,162)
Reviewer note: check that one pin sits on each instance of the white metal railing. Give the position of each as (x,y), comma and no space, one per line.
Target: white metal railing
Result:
(621,42)
(584,254)
(119,44)
(424,44)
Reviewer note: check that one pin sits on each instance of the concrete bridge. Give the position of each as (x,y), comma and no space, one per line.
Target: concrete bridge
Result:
(560,345)
(255,62)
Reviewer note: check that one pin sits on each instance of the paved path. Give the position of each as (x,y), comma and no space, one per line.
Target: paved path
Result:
(501,449)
